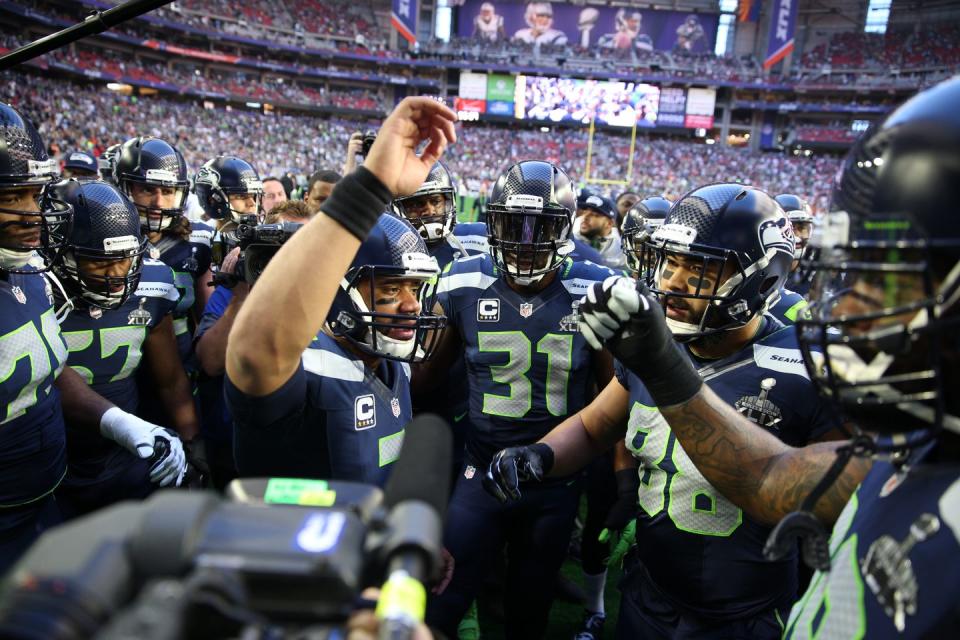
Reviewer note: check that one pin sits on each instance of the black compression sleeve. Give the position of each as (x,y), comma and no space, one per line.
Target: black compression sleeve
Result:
(357,201)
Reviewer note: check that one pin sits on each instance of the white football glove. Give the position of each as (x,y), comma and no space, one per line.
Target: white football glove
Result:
(606,311)
(140,437)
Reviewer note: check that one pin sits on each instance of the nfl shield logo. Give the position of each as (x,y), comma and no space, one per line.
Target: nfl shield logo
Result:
(395,407)
(469,472)
(526,309)
(19,295)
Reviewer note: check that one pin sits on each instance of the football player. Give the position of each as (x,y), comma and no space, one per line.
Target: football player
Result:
(881,345)
(514,314)
(334,404)
(36,390)
(639,223)
(721,256)
(120,317)
(153,174)
(803,221)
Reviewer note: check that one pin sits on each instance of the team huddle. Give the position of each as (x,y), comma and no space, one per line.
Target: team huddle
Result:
(740,389)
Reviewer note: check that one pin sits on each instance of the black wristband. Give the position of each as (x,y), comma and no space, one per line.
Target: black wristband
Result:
(357,201)
(677,381)
(546,455)
(628,482)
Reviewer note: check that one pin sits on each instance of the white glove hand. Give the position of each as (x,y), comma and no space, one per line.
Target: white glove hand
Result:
(608,307)
(139,437)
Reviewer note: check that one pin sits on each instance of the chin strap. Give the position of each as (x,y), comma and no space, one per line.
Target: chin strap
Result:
(61,312)
(803,525)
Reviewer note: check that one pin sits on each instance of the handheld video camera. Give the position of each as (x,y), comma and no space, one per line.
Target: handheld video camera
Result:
(369,136)
(279,558)
(258,244)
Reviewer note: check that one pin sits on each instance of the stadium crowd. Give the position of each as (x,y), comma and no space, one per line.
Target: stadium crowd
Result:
(283,144)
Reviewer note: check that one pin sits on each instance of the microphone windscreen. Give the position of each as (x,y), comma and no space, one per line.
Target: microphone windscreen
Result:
(422,472)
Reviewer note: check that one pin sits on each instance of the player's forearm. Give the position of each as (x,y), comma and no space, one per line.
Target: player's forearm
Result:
(81,405)
(212,346)
(622,458)
(752,468)
(290,302)
(178,402)
(574,446)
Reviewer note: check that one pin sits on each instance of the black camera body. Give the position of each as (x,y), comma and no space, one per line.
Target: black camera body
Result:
(186,564)
(258,244)
(369,136)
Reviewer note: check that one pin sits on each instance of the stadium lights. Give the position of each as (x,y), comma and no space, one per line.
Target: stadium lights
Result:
(710,141)
(253,105)
(544,129)
(118,86)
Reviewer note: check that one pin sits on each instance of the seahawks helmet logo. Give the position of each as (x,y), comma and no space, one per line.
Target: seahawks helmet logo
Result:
(777,234)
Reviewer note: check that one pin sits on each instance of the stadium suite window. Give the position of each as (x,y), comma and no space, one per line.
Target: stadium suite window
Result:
(878,13)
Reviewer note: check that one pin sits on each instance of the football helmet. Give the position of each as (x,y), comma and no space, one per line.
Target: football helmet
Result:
(39,230)
(639,223)
(881,337)
(800,214)
(393,249)
(149,162)
(222,177)
(717,226)
(434,220)
(530,219)
(107,161)
(106,232)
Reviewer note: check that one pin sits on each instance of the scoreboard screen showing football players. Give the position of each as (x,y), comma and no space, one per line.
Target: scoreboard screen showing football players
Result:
(618,104)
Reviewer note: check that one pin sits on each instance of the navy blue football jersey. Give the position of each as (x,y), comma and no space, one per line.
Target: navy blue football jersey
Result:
(467,239)
(106,348)
(528,366)
(700,549)
(791,306)
(894,552)
(32,355)
(189,259)
(334,419)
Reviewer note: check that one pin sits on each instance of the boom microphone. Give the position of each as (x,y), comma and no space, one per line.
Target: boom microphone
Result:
(416,495)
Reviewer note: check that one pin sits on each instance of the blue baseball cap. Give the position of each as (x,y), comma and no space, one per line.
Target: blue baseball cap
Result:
(81,160)
(600,204)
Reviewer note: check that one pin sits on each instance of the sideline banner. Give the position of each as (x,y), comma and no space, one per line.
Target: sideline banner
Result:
(783,23)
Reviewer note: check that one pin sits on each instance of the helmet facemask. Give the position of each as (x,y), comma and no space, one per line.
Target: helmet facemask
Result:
(173,194)
(101,290)
(41,233)
(724,285)
(369,329)
(527,240)
(432,222)
(881,324)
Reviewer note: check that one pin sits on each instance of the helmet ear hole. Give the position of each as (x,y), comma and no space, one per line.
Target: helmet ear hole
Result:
(767,285)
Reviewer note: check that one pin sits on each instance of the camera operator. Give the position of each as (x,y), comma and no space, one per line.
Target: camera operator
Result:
(358,145)
(270,393)
(211,347)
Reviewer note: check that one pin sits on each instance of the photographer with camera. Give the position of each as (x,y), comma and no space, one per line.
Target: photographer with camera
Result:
(212,332)
(358,145)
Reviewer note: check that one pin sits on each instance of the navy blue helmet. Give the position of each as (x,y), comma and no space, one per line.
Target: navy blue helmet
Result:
(881,337)
(431,209)
(718,227)
(639,223)
(104,256)
(393,250)
(41,228)
(225,176)
(530,220)
(152,173)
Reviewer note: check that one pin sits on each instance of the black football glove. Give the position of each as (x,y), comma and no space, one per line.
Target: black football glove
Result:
(624,316)
(514,465)
(624,510)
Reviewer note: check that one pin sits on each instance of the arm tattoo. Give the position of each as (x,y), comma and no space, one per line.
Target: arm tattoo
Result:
(752,468)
